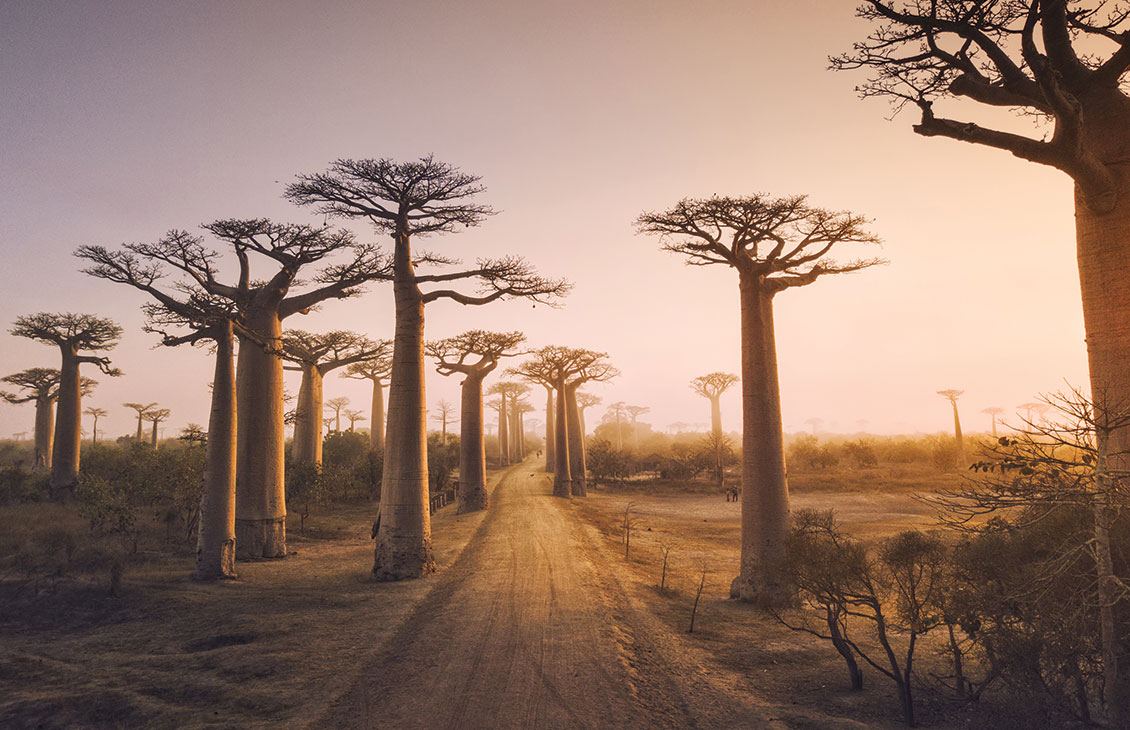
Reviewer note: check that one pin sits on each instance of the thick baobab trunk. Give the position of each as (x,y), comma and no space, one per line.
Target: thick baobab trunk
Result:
(550,432)
(765,489)
(404,540)
(1103,250)
(716,432)
(562,474)
(260,491)
(958,438)
(153,435)
(503,431)
(377,426)
(472,493)
(215,541)
(577,467)
(514,427)
(44,431)
(308,422)
(94,432)
(140,428)
(68,429)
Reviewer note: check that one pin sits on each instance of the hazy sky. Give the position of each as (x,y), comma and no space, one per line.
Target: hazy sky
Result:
(121,120)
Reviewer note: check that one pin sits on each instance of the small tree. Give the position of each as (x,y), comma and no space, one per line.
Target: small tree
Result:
(73,334)
(774,245)
(95,413)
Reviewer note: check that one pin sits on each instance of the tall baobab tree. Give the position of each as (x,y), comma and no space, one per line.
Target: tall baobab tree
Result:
(337,405)
(550,451)
(474,355)
(353,417)
(994,414)
(376,371)
(1061,62)
(506,392)
(711,386)
(496,406)
(73,334)
(40,386)
(405,200)
(952,395)
(584,402)
(262,305)
(516,395)
(593,369)
(634,412)
(155,417)
(775,244)
(446,411)
(142,409)
(815,423)
(618,411)
(95,413)
(315,355)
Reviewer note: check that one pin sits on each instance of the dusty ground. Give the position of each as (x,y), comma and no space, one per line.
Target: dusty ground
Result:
(267,651)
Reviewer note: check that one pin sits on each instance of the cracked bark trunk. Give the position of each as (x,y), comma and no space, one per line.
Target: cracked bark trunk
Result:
(68,428)
(260,491)
(404,541)
(472,495)
(765,489)
(215,543)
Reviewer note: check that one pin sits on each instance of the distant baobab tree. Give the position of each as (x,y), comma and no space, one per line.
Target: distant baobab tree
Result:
(550,440)
(405,200)
(518,399)
(446,411)
(474,355)
(337,405)
(73,334)
(711,386)
(353,417)
(567,369)
(522,407)
(19,435)
(617,412)
(142,409)
(584,402)
(40,386)
(952,395)
(503,390)
(815,424)
(315,355)
(1046,59)
(994,414)
(634,412)
(155,417)
(95,413)
(775,244)
(678,426)
(376,371)
(261,305)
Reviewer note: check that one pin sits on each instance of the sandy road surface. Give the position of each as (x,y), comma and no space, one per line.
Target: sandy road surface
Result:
(528,629)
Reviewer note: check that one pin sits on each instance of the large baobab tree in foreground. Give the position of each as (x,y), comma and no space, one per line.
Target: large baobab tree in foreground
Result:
(1061,62)
(376,370)
(474,355)
(774,244)
(952,395)
(315,355)
(262,305)
(95,413)
(406,200)
(711,386)
(73,334)
(41,386)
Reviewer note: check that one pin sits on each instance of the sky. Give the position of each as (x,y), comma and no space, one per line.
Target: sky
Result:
(120,120)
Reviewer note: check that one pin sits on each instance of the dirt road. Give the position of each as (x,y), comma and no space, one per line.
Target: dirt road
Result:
(528,629)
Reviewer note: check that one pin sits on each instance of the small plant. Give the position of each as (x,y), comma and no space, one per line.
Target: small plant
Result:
(665,547)
(704,569)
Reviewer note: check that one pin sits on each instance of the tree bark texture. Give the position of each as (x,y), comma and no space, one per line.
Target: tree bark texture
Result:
(562,474)
(44,431)
(68,428)
(765,489)
(308,417)
(577,466)
(215,544)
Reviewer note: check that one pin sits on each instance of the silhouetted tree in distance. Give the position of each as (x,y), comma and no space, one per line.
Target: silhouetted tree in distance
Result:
(634,412)
(73,334)
(406,200)
(774,244)
(40,386)
(952,395)
(354,417)
(95,413)
(711,386)
(474,355)
(141,409)
(993,413)
(156,416)
(376,371)
(337,405)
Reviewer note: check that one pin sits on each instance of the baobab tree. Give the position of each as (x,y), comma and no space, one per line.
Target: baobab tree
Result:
(506,392)
(354,417)
(142,409)
(1060,62)
(584,402)
(446,411)
(994,414)
(550,445)
(337,405)
(617,412)
(73,334)
(315,355)
(634,412)
(815,423)
(775,244)
(711,386)
(405,200)
(376,371)
(515,399)
(39,386)
(95,413)
(474,355)
(594,370)
(155,417)
(952,395)
(262,305)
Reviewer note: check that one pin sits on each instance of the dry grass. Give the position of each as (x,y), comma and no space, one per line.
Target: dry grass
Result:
(264,651)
